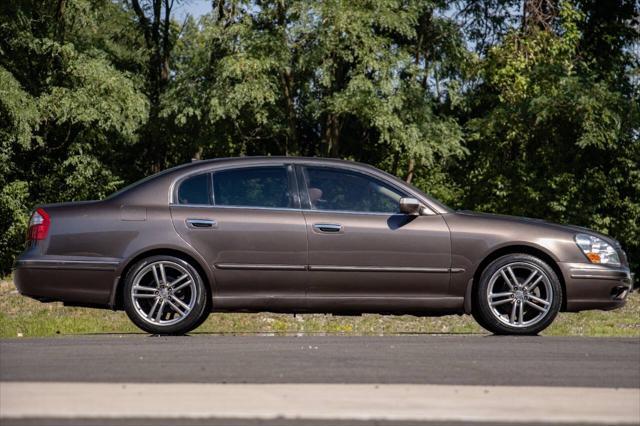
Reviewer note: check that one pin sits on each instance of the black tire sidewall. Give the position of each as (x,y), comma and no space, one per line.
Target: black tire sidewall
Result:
(195,318)
(482,311)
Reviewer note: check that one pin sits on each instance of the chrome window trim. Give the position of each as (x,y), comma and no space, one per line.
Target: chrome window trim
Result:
(217,168)
(356,170)
(193,206)
(355,212)
(190,205)
(175,187)
(267,163)
(235,207)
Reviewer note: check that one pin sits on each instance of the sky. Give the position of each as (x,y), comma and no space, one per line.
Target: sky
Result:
(195,8)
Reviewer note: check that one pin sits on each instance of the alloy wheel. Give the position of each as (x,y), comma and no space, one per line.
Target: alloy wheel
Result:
(519,294)
(163,293)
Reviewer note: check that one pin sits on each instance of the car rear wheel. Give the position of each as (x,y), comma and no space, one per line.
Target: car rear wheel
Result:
(165,295)
(517,294)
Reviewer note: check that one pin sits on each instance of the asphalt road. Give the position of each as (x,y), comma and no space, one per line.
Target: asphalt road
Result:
(410,359)
(249,380)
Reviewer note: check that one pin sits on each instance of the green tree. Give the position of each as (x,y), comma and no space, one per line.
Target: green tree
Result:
(337,78)
(67,109)
(550,136)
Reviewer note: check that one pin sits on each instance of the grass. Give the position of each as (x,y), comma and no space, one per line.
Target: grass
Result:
(24,317)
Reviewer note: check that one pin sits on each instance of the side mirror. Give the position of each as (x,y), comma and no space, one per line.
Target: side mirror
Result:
(410,206)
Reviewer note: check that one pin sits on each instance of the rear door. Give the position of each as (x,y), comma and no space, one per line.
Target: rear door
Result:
(361,247)
(246,222)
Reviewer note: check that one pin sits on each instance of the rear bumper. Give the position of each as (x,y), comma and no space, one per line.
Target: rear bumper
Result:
(82,281)
(596,286)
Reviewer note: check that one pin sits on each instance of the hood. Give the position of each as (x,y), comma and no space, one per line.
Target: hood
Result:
(546,224)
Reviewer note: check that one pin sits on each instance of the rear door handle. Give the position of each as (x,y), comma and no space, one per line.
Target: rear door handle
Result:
(328,228)
(201,223)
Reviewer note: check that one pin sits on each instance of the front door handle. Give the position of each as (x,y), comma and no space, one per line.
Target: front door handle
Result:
(328,228)
(201,223)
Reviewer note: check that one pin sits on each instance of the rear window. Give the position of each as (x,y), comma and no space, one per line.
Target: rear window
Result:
(252,187)
(195,190)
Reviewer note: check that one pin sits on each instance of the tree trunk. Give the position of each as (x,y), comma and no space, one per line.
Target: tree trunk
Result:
(287,83)
(292,136)
(60,8)
(410,170)
(198,154)
(331,135)
(156,31)
(396,162)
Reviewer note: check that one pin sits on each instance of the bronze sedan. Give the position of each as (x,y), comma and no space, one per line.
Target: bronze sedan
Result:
(299,235)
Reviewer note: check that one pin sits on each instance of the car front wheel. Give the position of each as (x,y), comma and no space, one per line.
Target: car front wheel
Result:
(517,294)
(165,295)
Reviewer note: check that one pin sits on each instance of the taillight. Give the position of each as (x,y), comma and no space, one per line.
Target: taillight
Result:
(38,226)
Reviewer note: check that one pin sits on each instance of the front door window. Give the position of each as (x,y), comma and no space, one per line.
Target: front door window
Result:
(342,190)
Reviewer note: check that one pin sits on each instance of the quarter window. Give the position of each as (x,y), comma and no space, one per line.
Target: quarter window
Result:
(252,187)
(334,189)
(195,190)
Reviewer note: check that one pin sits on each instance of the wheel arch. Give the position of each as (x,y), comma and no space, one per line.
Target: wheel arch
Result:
(513,249)
(117,297)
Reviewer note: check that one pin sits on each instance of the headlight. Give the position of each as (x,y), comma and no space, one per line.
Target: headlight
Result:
(597,250)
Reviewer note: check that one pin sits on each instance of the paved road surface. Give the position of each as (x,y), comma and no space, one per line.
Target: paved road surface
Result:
(281,368)
(464,360)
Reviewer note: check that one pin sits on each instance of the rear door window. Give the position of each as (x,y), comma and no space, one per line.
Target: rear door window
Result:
(253,187)
(195,190)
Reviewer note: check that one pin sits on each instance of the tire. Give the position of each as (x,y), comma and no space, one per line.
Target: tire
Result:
(165,295)
(517,294)
(204,316)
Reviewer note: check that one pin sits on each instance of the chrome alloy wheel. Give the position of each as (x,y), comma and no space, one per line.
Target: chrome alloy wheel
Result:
(519,294)
(163,293)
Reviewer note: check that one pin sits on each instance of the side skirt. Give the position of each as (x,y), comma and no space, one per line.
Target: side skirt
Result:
(342,305)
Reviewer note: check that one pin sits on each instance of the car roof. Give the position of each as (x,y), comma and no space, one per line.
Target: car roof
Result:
(198,165)
(276,158)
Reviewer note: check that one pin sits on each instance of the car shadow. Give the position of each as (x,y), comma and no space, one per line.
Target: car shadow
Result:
(285,334)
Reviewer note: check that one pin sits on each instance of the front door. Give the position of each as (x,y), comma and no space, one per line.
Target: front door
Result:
(251,231)
(362,251)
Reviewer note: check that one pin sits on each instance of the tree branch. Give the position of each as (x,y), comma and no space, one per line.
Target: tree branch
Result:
(144,22)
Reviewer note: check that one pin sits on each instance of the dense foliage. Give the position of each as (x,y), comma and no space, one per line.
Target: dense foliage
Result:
(526,107)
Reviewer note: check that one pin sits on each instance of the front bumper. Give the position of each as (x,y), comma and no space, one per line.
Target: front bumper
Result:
(596,286)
